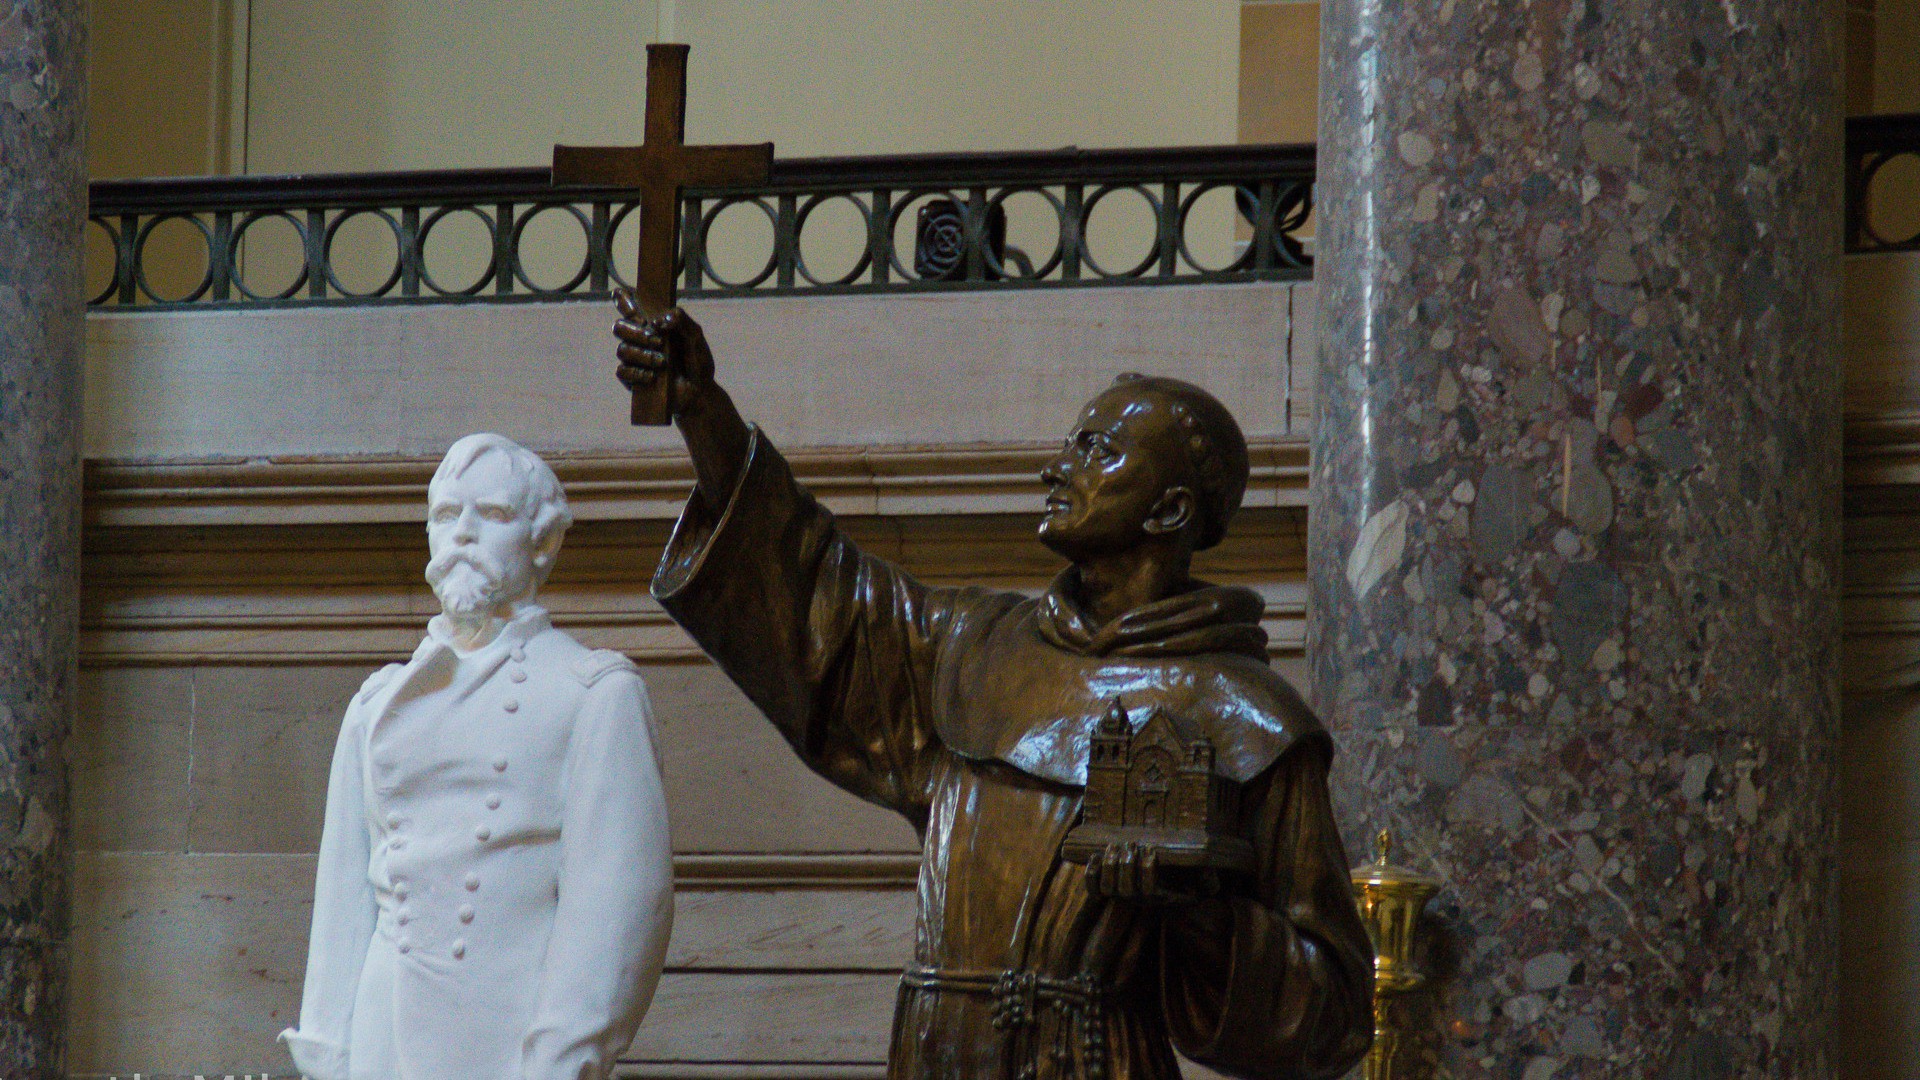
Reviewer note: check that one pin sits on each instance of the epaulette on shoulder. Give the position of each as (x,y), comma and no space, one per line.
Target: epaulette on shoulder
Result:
(378,680)
(591,667)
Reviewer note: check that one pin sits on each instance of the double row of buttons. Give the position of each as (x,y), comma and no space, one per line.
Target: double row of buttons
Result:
(481,832)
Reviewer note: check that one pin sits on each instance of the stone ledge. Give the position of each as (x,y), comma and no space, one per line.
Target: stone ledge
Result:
(1882,464)
(294,636)
(642,486)
(826,870)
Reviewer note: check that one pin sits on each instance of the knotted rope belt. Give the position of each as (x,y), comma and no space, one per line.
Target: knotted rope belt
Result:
(1018,997)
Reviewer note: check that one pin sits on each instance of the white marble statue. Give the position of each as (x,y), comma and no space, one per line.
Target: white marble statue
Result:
(495,887)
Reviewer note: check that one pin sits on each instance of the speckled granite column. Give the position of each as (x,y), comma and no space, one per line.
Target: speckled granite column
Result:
(43,81)
(1575,524)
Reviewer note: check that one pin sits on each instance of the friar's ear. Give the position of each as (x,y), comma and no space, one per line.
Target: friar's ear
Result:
(1172,513)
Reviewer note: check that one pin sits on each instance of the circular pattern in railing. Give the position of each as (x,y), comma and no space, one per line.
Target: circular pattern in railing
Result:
(539,243)
(423,239)
(699,242)
(1092,231)
(330,265)
(935,222)
(1889,203)
(941,240)
(245,252)
(143,238)
(1025,233)
(855,234)
(547,244)
(102,261)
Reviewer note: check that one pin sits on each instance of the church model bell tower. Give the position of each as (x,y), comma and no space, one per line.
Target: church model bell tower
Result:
(1155,787)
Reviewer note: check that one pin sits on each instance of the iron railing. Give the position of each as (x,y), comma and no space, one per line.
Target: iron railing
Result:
(924,222)
(1880,207)
(911,223)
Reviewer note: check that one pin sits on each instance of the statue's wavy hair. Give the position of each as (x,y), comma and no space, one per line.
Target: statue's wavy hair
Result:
(542,502)
(1216,449)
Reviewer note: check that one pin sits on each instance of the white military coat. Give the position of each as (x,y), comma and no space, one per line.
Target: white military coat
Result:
(495,886)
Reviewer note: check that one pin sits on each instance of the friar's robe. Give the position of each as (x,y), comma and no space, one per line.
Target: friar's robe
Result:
(969,712)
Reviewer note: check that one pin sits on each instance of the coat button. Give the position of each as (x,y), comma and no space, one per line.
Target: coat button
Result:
(511,705)
(393,821)
(466,912)
(500,763)
(483,834)
(401,892)
(493,802)
(472,883)
(403,918)
(404,946)
(517,653)
(518,675)
(396,843)
(459,949)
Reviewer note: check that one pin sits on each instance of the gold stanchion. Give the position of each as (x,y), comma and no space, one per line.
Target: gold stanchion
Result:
(1391,900)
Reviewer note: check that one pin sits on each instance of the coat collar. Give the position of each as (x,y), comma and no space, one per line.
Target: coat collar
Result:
(437,663)
(1023,682)
(528,620)
(1204,619)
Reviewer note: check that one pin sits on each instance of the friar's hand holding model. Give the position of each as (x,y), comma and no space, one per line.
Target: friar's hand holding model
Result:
(495,885)
(969,711)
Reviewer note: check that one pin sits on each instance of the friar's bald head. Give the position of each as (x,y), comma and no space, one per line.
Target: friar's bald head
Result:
(1212,445)
(1150,456)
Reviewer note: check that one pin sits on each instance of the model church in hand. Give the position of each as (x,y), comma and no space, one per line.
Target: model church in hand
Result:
(1156,787)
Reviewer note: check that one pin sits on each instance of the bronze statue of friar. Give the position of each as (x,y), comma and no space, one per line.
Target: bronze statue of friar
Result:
(970,712)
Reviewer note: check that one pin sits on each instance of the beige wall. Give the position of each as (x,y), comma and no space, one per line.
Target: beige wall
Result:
(1896,67)
(1279,71)
(1008,367)
(368,85)
(159,103)
(393,84)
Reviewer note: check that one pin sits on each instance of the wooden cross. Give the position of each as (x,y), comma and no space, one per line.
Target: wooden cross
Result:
(660,168)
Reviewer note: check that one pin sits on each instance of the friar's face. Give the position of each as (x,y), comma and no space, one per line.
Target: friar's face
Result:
(1119,479)
(480,538)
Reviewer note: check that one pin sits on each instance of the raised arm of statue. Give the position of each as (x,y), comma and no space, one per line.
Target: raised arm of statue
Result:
(672,346)
(836,647)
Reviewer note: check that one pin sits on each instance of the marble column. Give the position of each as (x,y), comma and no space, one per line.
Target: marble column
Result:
(1575,521)
(43,198)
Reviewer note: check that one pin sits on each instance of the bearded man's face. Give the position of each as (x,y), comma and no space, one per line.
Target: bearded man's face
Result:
(481,541)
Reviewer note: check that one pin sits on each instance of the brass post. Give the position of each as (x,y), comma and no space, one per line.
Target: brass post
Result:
(1391,899)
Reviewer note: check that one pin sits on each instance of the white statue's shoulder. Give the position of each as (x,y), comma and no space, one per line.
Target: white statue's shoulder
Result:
(595,664)
(378,681)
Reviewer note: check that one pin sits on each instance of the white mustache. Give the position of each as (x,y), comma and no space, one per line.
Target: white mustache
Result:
(440,567)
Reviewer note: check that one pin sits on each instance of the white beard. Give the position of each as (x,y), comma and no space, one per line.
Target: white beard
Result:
(466,586)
